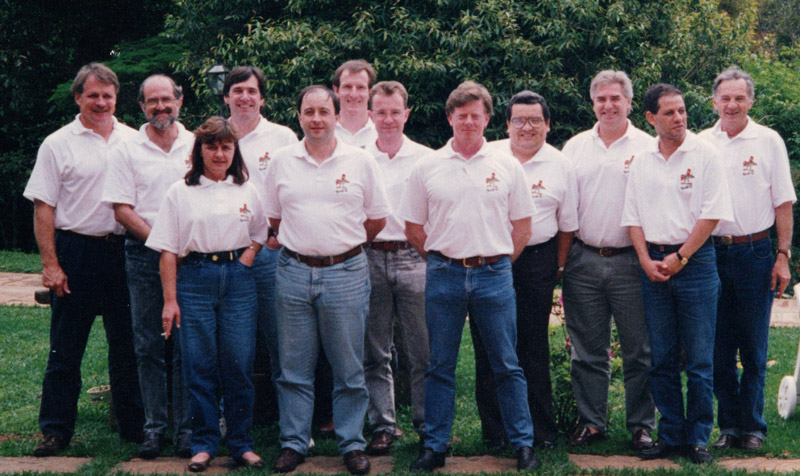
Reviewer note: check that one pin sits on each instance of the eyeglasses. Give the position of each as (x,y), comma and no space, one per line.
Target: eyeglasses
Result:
(519,122)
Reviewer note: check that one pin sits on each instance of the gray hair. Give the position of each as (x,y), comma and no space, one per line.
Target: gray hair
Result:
(100,71)
(735,73)
(610,76)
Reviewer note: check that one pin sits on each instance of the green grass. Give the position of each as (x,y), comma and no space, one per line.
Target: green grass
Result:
(19,262)
(24,347)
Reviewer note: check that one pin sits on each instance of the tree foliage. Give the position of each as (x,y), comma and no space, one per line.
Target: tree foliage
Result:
(551,46)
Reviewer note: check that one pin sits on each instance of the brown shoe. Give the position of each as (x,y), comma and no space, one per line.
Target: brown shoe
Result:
(585,436)
(380,443)
(50,445)
(356,462)
(724,441)
(750,443)
(288,460)
(641,440)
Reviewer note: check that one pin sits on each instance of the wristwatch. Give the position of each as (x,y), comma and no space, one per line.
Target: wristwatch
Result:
(684,261)
(787,252)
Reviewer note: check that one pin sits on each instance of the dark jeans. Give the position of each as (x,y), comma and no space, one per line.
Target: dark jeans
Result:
(682,312)
(95,271)
(534,280)
(745,303)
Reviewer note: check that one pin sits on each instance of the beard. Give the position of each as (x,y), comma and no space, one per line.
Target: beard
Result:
(161,123)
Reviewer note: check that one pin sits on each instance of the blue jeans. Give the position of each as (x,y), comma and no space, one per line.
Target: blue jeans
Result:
(745,304)
(264,268)
(218,332)
(486,293)
(147,302)
(681,312)
(329,306)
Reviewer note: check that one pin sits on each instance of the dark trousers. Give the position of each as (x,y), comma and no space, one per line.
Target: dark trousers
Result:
(95,271)
(534,280)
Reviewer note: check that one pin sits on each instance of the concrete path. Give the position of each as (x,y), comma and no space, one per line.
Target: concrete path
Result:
(17,288)
(328,465)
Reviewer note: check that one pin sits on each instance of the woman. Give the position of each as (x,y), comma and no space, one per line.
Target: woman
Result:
(209,229)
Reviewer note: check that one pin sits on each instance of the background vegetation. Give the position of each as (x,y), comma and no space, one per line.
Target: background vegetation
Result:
(551,46)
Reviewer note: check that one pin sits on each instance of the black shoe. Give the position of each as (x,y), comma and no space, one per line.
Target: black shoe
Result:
(183,446)
(427,461)
(699,454)
(151,447)
(526,460)
(659,450)
(288,460)
(200,466)
(356,462)
(49,445)
(257,463)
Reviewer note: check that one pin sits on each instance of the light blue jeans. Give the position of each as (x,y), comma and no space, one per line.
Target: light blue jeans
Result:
(329,306)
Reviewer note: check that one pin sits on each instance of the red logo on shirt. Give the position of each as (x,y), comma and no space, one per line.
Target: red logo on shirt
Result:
(627,167)
(491,183)
(263,161)
(341,184)
(749,166)
(536,189)
(244,213)
(686,179)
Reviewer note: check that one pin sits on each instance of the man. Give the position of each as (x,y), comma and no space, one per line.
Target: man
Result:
(140,172)
(352,82)
(468,212)
(397,276)
(551,184)
(83,261)
(243,92)
(676,195)
(325,199)
(601,277)
(757,167)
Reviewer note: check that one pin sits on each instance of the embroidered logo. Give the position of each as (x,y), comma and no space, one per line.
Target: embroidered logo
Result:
(686,179)
(749,166)
(341,184)
(536,190)
(263,161)
(491,183)
(244,213)
(627,168)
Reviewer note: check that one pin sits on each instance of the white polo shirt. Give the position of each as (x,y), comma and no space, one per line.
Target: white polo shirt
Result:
(667,197)
(601,174)
(395,174)
(757,167)
(362,137)
(262,141)
(209,217)
(322,207)
(70,173)
(140,172)
(467,204)
(551,183)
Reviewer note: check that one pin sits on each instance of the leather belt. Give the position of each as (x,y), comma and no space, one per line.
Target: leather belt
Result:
(218,257)
(390,245)
(606,252)
(738,240)
(111,238)
(323,261)
(671,248)
(470,262)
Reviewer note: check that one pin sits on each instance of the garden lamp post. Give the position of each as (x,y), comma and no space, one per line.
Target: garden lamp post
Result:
(215,76)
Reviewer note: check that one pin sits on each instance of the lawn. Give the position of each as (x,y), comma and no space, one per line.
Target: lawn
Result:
(23,350)
(19,262)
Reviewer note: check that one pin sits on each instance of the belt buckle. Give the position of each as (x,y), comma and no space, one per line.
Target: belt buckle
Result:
(725,239)
(214,258)
(465,264)
(606,252)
